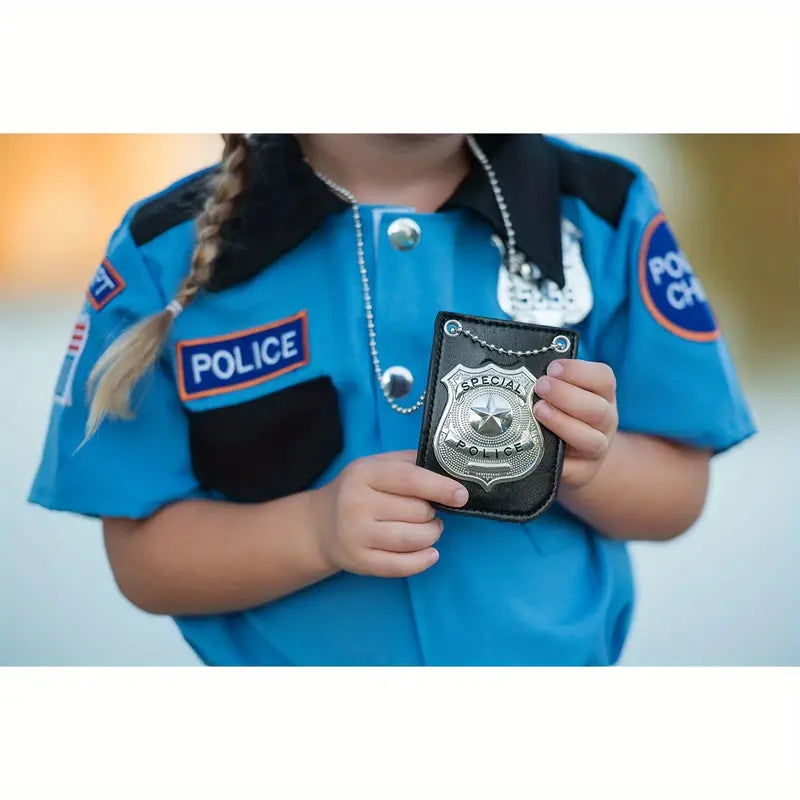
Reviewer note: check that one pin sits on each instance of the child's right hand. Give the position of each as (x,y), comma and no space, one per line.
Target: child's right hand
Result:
(376,517)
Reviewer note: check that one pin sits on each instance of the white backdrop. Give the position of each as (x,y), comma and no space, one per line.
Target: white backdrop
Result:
(726,593)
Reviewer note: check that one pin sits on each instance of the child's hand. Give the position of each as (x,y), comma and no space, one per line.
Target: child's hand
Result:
(579,404)
(376,517)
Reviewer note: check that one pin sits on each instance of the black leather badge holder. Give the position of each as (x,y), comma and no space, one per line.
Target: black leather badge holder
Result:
(477,423)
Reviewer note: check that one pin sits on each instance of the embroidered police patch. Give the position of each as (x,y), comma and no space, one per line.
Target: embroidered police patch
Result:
(77,342)
(219,364)
(670,290)
(106,284)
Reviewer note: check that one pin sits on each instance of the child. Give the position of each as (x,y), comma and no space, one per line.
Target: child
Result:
(240,401)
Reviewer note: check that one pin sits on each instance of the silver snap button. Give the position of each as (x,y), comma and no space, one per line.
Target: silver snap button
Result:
(396,382)
(404,234)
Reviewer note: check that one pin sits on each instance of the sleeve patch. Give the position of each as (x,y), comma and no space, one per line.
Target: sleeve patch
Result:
(106,284)
(670,290)
(77,342)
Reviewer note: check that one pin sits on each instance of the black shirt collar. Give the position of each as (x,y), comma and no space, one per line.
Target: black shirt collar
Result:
(283,201)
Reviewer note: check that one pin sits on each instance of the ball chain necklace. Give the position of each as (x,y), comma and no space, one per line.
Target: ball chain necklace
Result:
(452,330)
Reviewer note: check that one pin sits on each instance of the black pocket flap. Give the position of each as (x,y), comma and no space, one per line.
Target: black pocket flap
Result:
(269,447)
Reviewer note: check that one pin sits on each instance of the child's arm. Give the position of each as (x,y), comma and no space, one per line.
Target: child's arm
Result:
(627,486)
(206,557)
(647,488)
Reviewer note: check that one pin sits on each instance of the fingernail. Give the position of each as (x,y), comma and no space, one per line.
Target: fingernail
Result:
(543,384)
(461,496)
(434,555)
(441,523)
(555,369)
(540,409)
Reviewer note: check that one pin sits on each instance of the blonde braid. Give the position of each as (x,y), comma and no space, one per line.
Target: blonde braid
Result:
(129,357)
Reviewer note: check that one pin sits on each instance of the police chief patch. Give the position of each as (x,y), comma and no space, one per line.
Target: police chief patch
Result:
(106,284)
(218,364)
(670,290)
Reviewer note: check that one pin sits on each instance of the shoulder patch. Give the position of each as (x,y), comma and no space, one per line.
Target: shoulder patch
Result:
(170,208)
(601,182)
(670,290)
(77,342)
(106,284)
(219,364)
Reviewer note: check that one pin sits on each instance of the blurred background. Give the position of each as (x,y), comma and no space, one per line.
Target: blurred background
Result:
(726,593)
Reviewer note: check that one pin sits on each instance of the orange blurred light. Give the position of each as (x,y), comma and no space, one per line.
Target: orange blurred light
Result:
(65,195)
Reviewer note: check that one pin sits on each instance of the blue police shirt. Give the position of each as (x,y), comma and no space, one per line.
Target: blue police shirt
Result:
(267,388)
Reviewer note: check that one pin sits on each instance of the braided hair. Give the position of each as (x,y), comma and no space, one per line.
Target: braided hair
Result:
(129,357)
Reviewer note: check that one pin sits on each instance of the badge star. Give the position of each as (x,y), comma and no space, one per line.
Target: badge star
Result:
(492,417)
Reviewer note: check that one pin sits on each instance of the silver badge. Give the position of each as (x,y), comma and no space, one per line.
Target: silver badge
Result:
(487,433)
(526,296)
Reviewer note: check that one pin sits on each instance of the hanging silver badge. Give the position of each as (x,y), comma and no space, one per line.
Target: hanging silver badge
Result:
(487,433)
(526,296)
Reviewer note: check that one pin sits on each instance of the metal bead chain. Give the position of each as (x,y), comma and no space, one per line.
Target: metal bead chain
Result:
(511,238)
(484,343)
(362,266)
(560,343)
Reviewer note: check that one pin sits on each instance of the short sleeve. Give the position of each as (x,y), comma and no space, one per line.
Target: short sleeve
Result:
(129,468)
(675,376)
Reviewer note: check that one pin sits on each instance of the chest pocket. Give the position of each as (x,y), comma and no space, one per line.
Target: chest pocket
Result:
(268,447)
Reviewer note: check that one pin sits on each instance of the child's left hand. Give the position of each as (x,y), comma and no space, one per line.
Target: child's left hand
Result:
(579,404)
